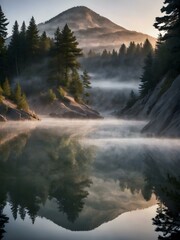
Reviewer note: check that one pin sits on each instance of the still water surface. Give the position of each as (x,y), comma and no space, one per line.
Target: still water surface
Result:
(63,179)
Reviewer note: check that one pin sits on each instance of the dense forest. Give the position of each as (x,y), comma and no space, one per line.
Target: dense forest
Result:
(29,54)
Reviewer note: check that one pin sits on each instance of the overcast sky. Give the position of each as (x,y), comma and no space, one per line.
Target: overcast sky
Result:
(138,15)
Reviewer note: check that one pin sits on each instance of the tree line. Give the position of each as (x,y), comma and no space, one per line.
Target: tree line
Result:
(27,48)
(127,56)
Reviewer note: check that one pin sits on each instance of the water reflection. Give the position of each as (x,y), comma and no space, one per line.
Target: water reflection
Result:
(43,165)
(79,185)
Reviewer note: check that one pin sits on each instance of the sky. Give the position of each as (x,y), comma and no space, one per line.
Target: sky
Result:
(138,15)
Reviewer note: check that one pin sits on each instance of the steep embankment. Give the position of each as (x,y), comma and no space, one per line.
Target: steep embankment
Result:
(161,107)
(65,108)
(10,112)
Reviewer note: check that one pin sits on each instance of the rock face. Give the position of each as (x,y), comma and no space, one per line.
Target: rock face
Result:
(66,108)
(92,30)
(162,108)
(9,111)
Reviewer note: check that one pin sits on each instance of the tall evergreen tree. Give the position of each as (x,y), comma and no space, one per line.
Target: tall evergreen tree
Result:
(147,83)
(122,50)
(3,29)
(169,24)
(131,49)
(6,88)
(14,48)
(32,38)
(147,48)
(76,86)
(23,45)
(3,52)
(86,84)
(69,52)
(45,43)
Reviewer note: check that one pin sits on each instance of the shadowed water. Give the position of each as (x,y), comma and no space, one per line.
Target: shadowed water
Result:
(73,179)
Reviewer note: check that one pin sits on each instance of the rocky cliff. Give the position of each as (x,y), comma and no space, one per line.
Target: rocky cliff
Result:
(161,107)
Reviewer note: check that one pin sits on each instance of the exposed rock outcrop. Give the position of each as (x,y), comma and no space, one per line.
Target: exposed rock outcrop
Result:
(161,107)
(66,108)
(10,112)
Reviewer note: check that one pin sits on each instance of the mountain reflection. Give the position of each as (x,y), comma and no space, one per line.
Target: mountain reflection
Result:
(52,174)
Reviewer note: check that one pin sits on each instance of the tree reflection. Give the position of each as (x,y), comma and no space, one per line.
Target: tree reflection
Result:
(164,180)
(46,165)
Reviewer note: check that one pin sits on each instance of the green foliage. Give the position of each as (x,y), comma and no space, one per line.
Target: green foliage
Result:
(51,95)
(17,93)
(1,90)
(6,88)
(61,92)
(14,48)
(76,86)
(20,98)
(67,52)
(86,85)
(166,60)
(3,29)
(147,82)
(169,24)
(45,43)
(32,36)
(22,104)
(1,94)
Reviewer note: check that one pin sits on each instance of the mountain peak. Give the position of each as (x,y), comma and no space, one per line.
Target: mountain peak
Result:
(92,30)
(81,17)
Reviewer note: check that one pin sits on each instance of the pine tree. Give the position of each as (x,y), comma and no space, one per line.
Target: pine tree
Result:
(17,93)
(169,24)
(14,48)
(147,82)
(6,88)
(22,104)
(122,53)
(86,84)
(3,51)
(57,38)
(122,50)
(131,49)
(3,29)
(86,80)
(76,86)
(69,52)
(147,48)
(45,43)
(104,54)
(32,38)
(23,45)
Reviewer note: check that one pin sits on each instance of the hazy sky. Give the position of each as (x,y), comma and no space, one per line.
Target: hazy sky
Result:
(138,15)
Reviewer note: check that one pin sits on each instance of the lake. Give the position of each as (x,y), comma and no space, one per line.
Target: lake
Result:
(87,179)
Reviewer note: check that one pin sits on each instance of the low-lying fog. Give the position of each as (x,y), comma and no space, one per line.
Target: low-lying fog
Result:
(111,94)
(115,85)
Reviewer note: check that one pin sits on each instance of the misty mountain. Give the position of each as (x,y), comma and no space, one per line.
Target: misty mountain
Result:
(92,30)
